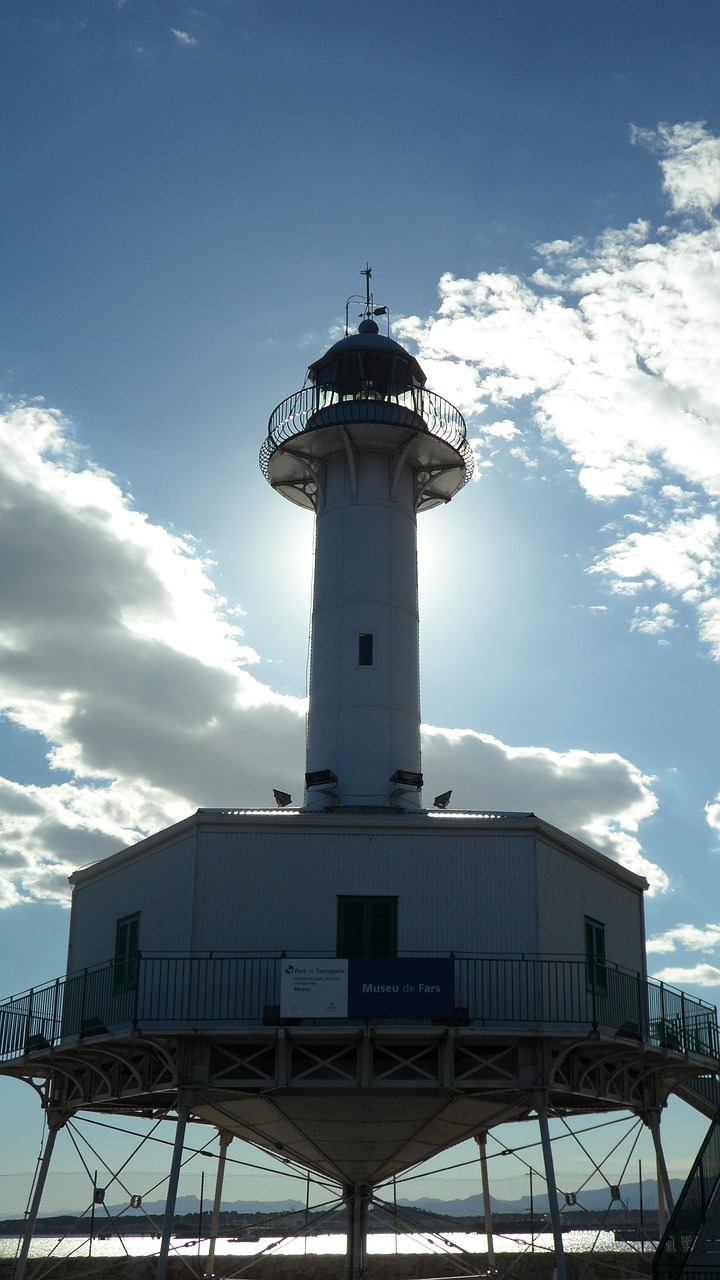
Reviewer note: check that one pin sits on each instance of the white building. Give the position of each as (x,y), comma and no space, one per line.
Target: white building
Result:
(282,883)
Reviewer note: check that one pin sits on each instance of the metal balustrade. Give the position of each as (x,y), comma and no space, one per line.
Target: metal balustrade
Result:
(217,990)
(707,1089)
(316,407)
(684,1232)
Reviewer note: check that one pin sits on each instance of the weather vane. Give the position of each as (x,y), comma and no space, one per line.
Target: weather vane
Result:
(369,308)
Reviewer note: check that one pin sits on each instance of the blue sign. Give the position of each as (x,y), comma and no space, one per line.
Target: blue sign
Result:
(414,988)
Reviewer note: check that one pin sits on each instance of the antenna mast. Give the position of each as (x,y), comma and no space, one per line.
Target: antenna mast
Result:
(369,309)
(367,273)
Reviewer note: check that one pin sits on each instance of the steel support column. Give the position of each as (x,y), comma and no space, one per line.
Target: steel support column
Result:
(225,1140)
(652,1120)
(183,1110)
(481,1139)
(357,1198)
(55,1122)
(560,1270)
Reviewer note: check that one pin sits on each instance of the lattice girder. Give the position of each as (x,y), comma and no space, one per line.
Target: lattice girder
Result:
(110,1069)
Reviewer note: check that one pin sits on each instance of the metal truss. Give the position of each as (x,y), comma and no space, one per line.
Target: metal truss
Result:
(357,1105)
(137,1072)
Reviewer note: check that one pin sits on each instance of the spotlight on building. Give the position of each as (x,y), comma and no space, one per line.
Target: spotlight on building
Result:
(282,798)
(442,801)
(320,778)
(405,778)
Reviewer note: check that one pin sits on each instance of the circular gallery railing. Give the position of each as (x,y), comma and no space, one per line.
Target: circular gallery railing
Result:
(398,405)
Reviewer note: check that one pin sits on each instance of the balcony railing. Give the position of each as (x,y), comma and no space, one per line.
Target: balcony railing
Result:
(215,991)
(397,405)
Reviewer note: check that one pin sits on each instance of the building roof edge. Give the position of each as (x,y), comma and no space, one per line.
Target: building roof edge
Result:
(390,819)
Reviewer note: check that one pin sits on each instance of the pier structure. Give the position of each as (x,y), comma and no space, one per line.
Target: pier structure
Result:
(359,981)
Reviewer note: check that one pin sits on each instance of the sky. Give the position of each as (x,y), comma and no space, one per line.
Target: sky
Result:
(190,195)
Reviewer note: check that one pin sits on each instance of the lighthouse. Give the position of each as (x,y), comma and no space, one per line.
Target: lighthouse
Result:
(366,446)
(357,983)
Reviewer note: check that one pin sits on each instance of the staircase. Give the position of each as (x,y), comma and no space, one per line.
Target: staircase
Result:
(702,1092)
(704,1257)
(690,1247)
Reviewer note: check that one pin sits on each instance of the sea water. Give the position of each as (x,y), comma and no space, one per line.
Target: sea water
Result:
(416,1243)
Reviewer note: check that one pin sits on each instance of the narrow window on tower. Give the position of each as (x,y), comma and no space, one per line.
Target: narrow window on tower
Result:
(365,649)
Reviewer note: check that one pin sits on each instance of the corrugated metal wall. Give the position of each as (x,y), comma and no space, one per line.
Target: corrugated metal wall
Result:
(460,892)
(159,885)
(569,891)
(256,889)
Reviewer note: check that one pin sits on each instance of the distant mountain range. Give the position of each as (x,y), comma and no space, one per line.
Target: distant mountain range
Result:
(596,1201)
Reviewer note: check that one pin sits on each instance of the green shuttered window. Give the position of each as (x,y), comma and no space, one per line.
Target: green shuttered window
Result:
(127,937)
(366,926)
(595,956)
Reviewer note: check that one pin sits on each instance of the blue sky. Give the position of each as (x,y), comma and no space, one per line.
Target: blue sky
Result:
(190,194)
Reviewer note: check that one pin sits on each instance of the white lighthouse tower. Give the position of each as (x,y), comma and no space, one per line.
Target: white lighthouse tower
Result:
(366,446)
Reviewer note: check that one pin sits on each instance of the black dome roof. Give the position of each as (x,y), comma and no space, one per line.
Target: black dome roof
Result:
(375,344)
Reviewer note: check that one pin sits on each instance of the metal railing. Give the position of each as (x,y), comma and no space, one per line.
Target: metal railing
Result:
(688,1217)
(702,1092)
(398,405)
(216,990)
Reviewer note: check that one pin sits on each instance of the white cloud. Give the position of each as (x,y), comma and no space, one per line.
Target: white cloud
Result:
(505,429)
(690,161)
(559,248)
(690,936)
(709,614)
(600,798)
(684,555)
(654,620)
(614,349)
(183,37)
(712,813)
(699,975)
(116,649)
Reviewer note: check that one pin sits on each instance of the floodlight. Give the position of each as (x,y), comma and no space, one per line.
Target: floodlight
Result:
(442,801)
(320,778)
(406,778)
(282,798)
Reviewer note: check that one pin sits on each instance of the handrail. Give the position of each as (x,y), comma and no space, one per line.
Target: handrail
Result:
(196,990)
(706,1089)
(688,1216)
(398,405)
